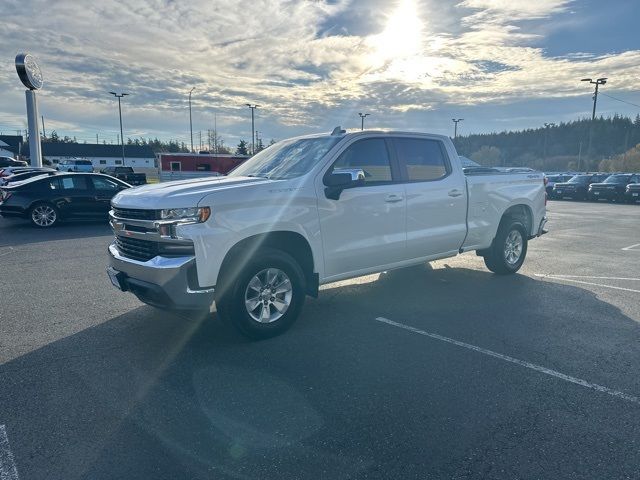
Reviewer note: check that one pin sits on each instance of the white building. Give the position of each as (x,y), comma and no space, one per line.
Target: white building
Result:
(140,157)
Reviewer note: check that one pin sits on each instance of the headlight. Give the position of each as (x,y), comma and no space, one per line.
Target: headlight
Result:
(186,215)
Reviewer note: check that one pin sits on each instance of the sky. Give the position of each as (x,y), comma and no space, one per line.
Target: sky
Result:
(314,64)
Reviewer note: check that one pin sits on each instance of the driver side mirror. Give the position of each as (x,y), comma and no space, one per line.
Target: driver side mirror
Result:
(341,179)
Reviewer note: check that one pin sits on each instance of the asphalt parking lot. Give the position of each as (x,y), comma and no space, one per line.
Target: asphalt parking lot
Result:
(441,371)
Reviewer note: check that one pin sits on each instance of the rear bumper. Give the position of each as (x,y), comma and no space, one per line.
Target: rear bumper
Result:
(541,228)
(162,281)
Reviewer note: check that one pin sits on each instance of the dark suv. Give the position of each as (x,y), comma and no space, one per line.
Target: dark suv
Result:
(633,192)
(613,188)
(577,188)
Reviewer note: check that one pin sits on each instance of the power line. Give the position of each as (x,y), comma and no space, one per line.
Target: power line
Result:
(620,100)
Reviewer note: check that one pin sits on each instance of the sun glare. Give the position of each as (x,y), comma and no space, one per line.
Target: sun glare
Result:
(402,36)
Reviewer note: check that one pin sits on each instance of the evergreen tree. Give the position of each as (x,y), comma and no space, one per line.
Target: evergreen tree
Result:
(241,149)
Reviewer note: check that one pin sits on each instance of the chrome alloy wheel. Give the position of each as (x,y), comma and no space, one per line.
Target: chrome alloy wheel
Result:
(44,216)
(268,295)
(513,247)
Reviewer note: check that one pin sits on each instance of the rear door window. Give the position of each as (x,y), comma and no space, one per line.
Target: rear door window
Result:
(424,159)
(69,183)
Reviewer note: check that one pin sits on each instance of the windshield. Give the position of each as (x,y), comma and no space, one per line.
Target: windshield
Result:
(617,179)
(287,159)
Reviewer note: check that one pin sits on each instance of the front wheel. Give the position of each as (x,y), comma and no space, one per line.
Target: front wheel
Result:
(266,296)
(44,215)
(508,250)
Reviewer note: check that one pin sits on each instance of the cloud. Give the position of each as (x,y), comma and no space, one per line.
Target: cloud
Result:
(305,62)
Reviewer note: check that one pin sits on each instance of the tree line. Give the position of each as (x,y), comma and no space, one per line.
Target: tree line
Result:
(161,146)
(605,144)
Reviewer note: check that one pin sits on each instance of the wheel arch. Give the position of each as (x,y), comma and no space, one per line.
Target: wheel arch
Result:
(289,242)
(521,212)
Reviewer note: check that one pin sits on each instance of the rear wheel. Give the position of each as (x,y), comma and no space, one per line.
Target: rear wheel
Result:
(43,215)
(266,296)
(508,250)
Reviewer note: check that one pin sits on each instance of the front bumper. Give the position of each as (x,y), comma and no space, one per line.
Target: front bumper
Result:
(162,281)
(604,194)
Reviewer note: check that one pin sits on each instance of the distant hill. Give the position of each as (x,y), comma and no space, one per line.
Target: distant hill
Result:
(564,146)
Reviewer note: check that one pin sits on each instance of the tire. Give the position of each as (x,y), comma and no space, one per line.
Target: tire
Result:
(44,215)
(509,249)
(268,267)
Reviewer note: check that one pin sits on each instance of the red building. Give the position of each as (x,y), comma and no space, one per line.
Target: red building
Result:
(199,162)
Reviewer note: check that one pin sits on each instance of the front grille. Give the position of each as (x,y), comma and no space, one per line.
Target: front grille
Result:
(136,214)
(137,249)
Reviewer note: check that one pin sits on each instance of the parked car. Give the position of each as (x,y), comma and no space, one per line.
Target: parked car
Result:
(613,188)
(75,165)
(20,175)
(47,200)
(8,171)
(632,192)
(126,174)
(552,180)
(577,187)
(313,210)
(11,162)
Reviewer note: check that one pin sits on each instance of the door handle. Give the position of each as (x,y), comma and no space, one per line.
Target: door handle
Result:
(393,198)
(455,193)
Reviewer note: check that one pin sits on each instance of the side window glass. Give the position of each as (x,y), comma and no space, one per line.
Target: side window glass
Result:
(425,159)
(371,156)
(100,183)
(75,182)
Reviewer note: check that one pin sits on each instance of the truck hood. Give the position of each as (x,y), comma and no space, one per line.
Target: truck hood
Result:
(179,193)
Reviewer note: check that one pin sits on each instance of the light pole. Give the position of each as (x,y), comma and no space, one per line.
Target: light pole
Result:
(119,96)
(190,122)
(362,117)
(253,127)
(597,83)
(455,126)
(547,126)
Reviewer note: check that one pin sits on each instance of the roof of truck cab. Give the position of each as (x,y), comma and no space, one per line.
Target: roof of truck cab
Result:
(365,133)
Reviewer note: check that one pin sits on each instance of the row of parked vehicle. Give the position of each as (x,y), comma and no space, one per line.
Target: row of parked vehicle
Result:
(46,196)
(616,187)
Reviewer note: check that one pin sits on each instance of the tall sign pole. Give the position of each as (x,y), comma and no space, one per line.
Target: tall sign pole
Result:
(31,77)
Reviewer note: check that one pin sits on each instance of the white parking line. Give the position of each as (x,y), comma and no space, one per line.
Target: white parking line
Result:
(587,276)
(565,279)
(631,247)
(8,470)
(522,363)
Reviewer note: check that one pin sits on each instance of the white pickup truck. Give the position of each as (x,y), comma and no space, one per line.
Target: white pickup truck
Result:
(313,210)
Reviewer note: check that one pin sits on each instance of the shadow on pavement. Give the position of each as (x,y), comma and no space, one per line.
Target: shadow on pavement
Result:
(151,395)
(14,232)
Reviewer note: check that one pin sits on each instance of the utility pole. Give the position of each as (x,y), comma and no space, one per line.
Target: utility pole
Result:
(362,117)
(190,121)
(200,135)
(546,134)
(253,127)
(455,126)
(597,83)
(579,155)
(119,96)
(44,130)
(97,139)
